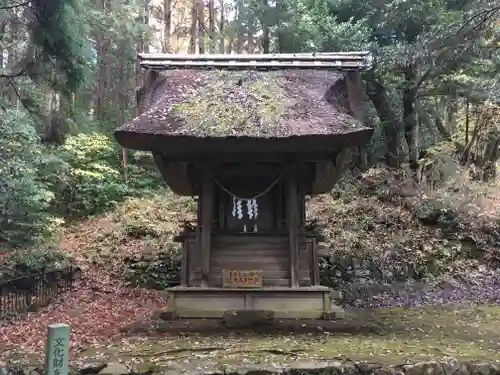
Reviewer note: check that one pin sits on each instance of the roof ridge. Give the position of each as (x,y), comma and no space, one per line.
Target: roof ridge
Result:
(342,61)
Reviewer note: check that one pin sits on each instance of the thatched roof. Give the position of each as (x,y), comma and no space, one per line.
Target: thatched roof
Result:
(251,104)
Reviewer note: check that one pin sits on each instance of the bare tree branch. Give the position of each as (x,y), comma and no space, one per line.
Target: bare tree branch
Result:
(23,102)
(13,75)
(14,6)
(485,18)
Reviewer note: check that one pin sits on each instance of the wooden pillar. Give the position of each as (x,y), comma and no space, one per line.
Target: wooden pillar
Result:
(315,263)
(184,263)
(206,214)
(292,212)
(278,205)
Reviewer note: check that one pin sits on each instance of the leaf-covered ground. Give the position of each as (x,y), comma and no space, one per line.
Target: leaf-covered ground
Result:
(96,310)
(101,304)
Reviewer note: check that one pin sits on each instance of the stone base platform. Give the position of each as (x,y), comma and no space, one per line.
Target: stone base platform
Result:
(282,303)
(207,327)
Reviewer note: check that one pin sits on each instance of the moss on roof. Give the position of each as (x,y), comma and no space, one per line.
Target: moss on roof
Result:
(233,103)
(258,104)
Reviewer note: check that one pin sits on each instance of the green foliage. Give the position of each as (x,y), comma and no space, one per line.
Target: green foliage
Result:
(41,187)
(33,261)
(95,180)
(314,27)
(437,50)
(24,198)
(61,38)
(135,240)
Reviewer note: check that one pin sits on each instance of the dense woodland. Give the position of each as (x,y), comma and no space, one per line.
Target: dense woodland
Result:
(68,76)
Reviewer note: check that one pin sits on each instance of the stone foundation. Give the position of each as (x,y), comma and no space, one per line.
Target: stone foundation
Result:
(283,303)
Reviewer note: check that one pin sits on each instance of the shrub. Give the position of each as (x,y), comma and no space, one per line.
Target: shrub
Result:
(94,180)
(24,197)
(40,185)
(32,261)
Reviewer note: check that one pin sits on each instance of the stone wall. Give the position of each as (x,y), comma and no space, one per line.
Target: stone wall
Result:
(158,271)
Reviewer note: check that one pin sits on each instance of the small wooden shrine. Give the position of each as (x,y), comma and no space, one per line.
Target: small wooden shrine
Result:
(250,136)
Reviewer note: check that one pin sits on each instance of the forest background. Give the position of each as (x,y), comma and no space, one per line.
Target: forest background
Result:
(68,75)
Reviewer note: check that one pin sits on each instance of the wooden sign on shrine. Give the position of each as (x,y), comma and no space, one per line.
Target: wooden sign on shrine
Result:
(242,279)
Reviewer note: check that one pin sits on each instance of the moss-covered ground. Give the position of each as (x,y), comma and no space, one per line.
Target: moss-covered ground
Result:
(400,335)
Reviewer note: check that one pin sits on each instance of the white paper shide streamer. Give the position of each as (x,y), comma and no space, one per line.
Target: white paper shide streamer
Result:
(252,210)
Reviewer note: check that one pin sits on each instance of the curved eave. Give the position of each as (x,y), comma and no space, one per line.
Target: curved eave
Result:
(184,146)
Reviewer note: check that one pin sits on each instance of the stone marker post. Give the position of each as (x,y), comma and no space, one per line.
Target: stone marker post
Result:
(57,350)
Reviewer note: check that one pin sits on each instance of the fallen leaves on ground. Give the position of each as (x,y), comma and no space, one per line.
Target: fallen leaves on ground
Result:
(431,333)
(97,308)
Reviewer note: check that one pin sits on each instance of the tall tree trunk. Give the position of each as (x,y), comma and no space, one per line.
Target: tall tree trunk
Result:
(122,99)
(467,120)
(139,48)
(143,45)
(410,117)
(282,40)
(201,26)
(230,44)
(3,27)
(211,25)
(167,25)
(102,81)
(239,26)
(222,25)
(146,22)
(452,109)
(265,27)
(103,46)
(121,87)
(193,29)
(390,122)
(13,53)
(355,95)
(250,39)
(15,34)
(491,156)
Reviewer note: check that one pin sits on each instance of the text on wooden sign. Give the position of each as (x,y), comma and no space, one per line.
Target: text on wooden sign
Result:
(241,278)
